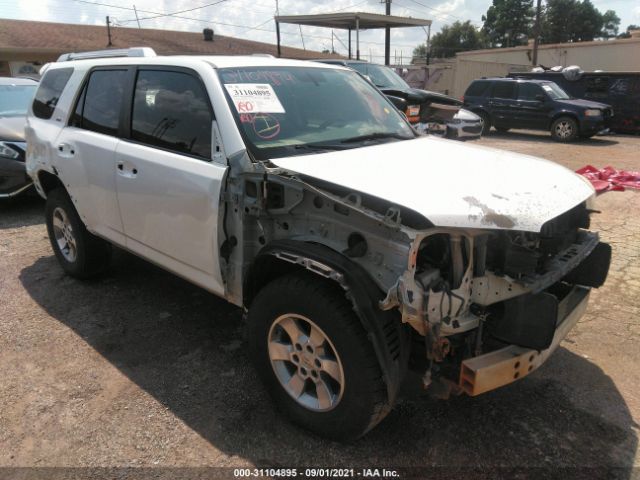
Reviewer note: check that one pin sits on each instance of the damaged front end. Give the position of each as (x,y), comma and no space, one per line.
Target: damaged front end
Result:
(489,306)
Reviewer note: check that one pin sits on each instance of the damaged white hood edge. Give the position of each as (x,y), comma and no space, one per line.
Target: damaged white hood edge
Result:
(452,184)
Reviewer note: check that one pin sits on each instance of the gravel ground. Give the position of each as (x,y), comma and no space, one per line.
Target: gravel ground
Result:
(140,368)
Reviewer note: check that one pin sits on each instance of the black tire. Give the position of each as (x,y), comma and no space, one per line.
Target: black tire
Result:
(486,122)
(564,129)
(502,129)
(363,402)
(92,254)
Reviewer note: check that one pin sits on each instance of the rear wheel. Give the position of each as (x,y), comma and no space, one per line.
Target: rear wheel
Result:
(315,358)
(80,253)
(564,129)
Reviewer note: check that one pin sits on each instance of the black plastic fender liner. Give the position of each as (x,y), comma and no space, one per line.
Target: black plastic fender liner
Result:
(385,329)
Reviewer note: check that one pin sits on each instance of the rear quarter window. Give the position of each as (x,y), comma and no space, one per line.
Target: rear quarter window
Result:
(477,89)
(49,91)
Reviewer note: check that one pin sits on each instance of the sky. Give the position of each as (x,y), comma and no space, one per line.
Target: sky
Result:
(253,19)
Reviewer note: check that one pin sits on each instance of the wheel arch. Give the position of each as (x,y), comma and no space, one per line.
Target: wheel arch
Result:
(385,329)
(563,113)
(48,181)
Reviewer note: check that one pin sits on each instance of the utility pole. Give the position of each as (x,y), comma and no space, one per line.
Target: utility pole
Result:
(137,19)
(109,32)
(302,37)
(536,38)
(387,34)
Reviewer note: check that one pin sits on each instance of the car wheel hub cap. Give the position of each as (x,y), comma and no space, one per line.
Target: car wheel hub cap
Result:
(564,129)
(63,233)
(305,362)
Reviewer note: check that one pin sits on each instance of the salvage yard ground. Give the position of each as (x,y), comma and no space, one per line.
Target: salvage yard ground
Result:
(140,368)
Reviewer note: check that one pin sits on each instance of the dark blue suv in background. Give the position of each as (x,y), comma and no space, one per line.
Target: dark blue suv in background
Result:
(506,103)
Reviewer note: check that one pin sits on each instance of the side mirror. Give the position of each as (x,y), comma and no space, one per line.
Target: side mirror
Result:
(540,97)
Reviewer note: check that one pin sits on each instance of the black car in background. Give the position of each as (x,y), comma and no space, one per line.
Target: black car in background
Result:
(428,112)
(621,90)
(506,103)
(16,95)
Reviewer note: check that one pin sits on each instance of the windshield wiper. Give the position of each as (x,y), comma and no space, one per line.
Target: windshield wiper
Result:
(319,146)
(375,136)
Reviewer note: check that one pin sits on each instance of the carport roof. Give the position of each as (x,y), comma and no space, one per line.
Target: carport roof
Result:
(349,20)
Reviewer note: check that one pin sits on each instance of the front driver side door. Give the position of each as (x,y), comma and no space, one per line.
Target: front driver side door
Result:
(168,186)
(533,108)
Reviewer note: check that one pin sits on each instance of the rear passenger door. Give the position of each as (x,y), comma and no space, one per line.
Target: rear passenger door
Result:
(168,186)
(86,150)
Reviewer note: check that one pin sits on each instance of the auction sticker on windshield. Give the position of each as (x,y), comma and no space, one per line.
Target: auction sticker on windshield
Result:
(254,98)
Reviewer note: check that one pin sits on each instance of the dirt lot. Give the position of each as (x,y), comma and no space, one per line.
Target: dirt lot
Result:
(139,368)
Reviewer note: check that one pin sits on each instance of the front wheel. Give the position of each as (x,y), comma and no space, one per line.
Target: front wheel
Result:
(80,253)
(564,129)
(315,358)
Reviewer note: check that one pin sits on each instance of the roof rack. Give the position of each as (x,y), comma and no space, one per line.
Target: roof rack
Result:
(114,52)
(266,55)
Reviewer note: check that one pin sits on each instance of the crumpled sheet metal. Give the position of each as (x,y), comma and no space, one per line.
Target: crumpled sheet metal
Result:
(609,179)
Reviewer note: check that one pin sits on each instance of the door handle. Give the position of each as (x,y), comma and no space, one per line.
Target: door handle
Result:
(66,148)
(129,172)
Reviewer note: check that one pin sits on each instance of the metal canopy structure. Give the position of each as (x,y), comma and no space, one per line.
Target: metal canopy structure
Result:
(351,21)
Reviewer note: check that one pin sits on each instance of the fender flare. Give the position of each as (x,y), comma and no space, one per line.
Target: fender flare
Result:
(385,330)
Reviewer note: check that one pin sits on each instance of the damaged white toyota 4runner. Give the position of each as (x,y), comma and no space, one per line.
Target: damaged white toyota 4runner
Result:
(298,192)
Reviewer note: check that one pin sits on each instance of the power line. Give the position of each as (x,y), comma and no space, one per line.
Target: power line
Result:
(176,13)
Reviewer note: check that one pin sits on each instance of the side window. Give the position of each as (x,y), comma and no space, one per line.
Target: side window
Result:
(529,91)
(597,86)
(99,105)
(477,89)
(171,110)
(504,90)
(49,91)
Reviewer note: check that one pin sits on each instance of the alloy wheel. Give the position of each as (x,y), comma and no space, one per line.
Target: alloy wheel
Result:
(63,232)
(305,362)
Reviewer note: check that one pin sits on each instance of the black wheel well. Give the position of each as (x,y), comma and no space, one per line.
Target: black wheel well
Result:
(265,269)
(571,115)
(48,181)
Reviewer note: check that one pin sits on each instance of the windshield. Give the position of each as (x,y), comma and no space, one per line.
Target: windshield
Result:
(555,92)
(15,99)
(381,77)
(283,111)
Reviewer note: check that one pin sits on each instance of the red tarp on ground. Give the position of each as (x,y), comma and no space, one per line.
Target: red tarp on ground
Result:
(608,178)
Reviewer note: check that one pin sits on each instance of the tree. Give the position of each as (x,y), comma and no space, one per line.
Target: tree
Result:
(577,21)
(611,24)
(508,23)
(454,38)
(627,33)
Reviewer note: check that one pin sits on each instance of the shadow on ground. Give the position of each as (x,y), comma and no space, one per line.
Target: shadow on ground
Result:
(184,347)
(21,211)
(530,136)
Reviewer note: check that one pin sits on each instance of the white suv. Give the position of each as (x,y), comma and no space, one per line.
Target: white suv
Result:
(297,191)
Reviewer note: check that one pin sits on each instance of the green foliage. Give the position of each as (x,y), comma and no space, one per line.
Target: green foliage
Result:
(627,33)
(458,37)
(508,23)
(577,21)
(610,24)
